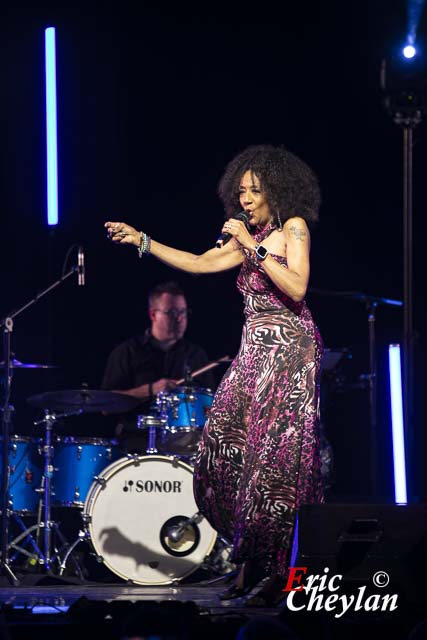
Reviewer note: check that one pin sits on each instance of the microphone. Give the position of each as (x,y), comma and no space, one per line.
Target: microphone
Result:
(226,237)
(177,531)
(81,267)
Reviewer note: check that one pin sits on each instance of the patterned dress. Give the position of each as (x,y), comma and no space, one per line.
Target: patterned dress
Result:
(258,458)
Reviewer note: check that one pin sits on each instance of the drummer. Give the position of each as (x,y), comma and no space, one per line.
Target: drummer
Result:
(147,364)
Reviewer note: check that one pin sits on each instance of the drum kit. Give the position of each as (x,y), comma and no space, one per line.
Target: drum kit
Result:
(136,512)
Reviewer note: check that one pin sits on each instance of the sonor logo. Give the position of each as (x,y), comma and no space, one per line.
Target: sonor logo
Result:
(153,486)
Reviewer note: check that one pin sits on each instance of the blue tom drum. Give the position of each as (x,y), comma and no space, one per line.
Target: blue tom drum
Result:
(76,462)
(26,469)
(185,410)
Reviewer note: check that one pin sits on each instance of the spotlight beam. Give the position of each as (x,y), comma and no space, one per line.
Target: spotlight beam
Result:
(415,9)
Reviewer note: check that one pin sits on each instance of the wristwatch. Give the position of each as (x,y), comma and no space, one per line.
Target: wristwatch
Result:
(260,252)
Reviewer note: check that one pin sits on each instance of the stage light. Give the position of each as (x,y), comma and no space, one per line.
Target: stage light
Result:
(409,51)
(398,433)
(51,128)
(404,84)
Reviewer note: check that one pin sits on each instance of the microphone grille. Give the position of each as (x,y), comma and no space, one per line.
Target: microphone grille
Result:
(243,216)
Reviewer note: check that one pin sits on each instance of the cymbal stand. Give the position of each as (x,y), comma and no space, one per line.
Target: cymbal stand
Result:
(371,303)
(45,523)
(44,554)
(151,444)
(49,419)
(6,324)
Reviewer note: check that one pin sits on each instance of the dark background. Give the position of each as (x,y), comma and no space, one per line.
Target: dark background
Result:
(153,101)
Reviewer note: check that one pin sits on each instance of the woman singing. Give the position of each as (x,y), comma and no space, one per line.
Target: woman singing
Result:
(258,458)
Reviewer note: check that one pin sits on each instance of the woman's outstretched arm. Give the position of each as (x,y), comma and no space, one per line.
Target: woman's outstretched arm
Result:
(211,261)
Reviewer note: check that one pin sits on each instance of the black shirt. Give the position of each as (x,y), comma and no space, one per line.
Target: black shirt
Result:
(140,360)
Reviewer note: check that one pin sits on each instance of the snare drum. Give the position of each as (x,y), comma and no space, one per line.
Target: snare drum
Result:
(26,469)
(76,462)
(132,512)
(186,410)
(148,421)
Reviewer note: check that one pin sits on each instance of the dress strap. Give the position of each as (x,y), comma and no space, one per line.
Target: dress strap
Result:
(264,232)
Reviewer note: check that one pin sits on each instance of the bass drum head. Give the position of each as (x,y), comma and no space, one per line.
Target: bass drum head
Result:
(134,513)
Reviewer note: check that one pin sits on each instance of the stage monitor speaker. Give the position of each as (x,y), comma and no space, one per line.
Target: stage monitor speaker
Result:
(359,540)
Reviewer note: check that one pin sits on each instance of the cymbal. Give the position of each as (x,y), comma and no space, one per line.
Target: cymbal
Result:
(331,357)
(358,295)
(88,400)
(17,364)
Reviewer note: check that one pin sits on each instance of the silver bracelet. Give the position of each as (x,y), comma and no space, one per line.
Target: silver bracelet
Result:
(144,244)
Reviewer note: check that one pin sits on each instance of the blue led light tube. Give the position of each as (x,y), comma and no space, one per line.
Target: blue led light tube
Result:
(398,432)
(51,128)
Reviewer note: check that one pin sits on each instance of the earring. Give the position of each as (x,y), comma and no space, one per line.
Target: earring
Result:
(279,222)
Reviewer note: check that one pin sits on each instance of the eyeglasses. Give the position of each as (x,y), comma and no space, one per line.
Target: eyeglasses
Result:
(175,313)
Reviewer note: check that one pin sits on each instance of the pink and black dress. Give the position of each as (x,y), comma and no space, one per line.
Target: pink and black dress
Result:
(258,458)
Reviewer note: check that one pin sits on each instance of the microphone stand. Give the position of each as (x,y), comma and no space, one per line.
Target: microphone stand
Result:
(6,409)
(371,303)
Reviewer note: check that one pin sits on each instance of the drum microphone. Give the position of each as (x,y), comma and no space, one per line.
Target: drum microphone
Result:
(226,237)
(81,267)
(176,532)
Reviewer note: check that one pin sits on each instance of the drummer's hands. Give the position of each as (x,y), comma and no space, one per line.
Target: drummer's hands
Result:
(143,391)
(238,230)
(122,233)
(164,384)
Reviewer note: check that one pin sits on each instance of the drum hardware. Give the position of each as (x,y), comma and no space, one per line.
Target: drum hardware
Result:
(176,532)
(151,447)
(47,525)
(218,562)
(37,558)
(371,303)
(27,537)
(7,326)
(334,357)
(44,553)
(152,422)
(100,480)
(82,536)
(65,481)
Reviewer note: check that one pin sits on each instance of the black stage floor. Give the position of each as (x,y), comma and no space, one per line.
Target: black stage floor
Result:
(88,599)
(52,607)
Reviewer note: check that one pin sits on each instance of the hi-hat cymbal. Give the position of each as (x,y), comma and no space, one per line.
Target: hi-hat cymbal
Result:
(17,364)
(331,357)
(88,400)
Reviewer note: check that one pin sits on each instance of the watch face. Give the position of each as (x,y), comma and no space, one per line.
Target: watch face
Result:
(261,252)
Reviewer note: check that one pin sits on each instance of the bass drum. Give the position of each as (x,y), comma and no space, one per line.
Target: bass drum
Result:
(134,515)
